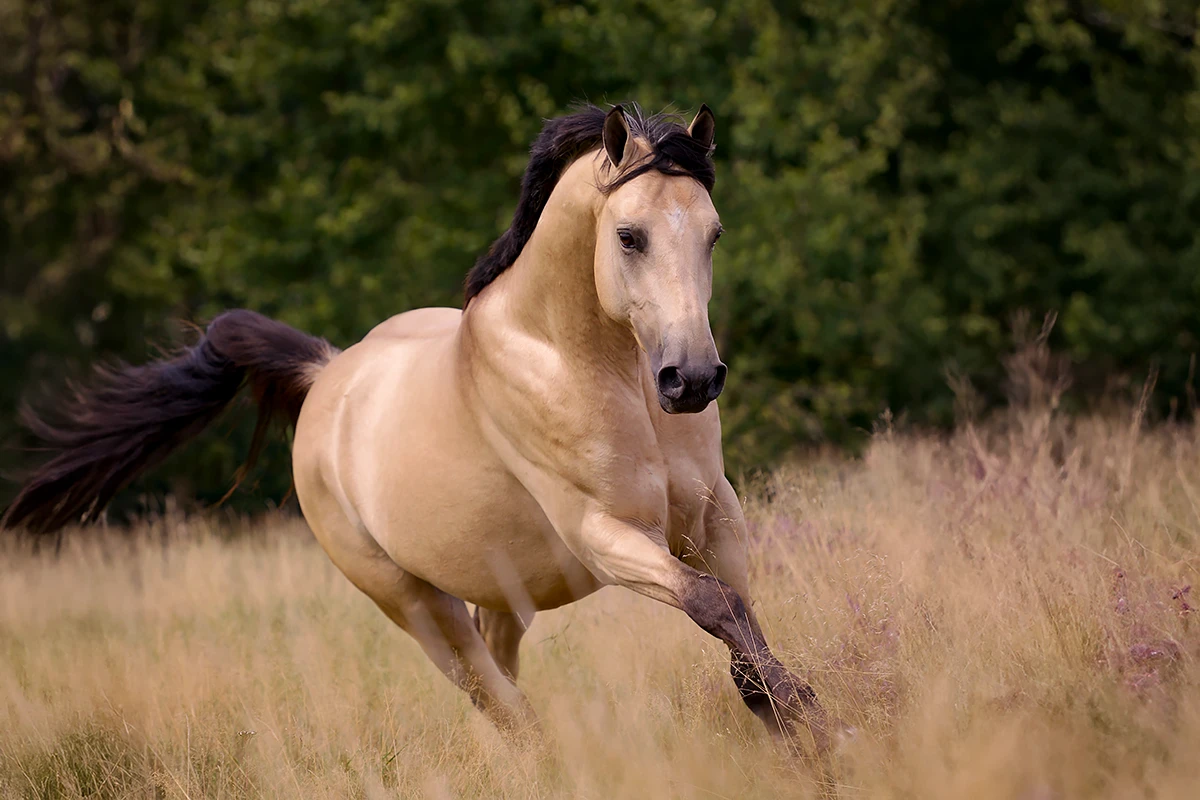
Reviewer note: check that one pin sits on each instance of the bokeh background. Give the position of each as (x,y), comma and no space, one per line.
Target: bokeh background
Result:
(906,187)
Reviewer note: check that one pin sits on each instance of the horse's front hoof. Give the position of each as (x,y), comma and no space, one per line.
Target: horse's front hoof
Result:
(798,709)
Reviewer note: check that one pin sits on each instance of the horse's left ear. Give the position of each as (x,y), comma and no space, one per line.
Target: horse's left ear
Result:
(703,127)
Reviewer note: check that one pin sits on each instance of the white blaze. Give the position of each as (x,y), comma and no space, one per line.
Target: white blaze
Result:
(677,216)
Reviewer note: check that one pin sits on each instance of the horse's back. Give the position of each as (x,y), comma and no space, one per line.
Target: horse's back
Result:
(401,362)
(420,323)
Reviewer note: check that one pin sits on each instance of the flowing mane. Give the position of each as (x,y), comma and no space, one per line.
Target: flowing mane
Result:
(566,138)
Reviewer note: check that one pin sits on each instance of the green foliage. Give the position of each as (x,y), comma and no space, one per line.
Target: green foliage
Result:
(898,179)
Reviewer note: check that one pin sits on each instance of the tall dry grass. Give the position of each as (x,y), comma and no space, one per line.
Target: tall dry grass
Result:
(1004,613)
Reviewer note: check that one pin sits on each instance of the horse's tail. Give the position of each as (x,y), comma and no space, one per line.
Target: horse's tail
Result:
(102,436)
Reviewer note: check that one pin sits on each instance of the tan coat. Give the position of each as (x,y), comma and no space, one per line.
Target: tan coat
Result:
(556,436)
(517,455)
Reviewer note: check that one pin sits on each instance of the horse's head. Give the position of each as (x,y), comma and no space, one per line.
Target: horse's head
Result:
(656,231)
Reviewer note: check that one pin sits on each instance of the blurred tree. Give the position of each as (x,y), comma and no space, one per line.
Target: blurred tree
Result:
(898,179)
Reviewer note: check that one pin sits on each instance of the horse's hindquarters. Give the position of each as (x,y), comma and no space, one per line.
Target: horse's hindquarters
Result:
(386,444)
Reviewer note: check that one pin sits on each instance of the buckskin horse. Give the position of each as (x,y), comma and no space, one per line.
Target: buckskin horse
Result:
(556,435)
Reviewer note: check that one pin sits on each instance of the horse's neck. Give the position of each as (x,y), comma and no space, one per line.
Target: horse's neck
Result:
(550,292)
(542,360)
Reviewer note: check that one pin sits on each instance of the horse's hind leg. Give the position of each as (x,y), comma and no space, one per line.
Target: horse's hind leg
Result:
(443,627)
(439,622)
(503,631)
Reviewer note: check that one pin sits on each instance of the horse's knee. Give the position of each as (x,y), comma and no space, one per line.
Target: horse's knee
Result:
(718,609)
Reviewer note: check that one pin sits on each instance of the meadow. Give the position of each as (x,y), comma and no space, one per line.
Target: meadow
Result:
(1003,612)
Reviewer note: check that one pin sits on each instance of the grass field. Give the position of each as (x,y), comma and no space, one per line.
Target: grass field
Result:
(1001,613)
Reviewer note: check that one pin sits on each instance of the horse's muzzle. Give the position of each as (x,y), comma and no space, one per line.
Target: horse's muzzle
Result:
(687,389)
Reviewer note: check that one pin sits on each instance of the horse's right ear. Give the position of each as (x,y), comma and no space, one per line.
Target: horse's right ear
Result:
(618,141)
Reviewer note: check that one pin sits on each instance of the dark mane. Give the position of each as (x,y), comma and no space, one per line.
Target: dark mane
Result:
(566,138)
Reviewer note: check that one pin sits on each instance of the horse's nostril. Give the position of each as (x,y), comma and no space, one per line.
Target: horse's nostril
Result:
(718,382)
(671,383)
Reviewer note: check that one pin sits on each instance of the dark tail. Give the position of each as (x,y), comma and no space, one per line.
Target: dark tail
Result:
(103,436)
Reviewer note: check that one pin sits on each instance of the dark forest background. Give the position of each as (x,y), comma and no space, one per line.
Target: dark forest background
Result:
(902,182)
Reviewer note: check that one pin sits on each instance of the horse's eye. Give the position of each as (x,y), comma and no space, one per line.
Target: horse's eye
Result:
(627,239)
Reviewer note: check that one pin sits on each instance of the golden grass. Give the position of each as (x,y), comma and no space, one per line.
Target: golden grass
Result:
(1000,613)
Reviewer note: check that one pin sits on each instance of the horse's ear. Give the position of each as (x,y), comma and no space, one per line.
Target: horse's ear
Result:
(703,127)
(618,141)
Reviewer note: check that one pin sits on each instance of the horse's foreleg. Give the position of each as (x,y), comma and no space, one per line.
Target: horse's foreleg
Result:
(723,556)
(502,631)
(627,555)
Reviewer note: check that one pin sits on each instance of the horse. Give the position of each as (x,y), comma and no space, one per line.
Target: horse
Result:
(557,434)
